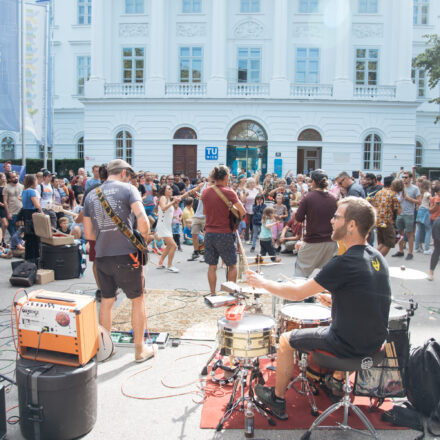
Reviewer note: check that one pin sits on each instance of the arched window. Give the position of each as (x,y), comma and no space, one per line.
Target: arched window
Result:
(124,146)
(80,148)
(418,160)
(185,133)
(372,152)
(247,131)
(8,148)
(310,135)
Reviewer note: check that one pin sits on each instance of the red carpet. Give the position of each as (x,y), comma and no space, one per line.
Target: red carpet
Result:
(298,409)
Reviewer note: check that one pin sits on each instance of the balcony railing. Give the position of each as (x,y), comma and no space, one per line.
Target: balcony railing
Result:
(374,92)
(185,89)
(121,89)
(248,90)
(311,91)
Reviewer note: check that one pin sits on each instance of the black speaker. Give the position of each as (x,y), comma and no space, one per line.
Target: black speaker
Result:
(65,260)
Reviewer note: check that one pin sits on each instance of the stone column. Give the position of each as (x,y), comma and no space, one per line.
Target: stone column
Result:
(405,89)
(279,84)
(344,55)
(156,81)
(217,84)
(94,88)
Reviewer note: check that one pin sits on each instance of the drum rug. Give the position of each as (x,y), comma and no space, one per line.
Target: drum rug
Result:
(182,313)
(298,409)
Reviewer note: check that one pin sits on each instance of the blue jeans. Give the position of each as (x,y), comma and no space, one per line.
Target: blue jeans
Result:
(423,234)
(12,228)
(255,234)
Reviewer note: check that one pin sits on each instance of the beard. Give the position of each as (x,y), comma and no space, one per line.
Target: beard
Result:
(339,233)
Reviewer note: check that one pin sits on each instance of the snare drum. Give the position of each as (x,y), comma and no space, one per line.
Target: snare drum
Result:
(398,318)
(253,336)
(303,315)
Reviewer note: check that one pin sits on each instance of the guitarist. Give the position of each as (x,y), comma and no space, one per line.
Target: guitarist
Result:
(219,238)
(116,263)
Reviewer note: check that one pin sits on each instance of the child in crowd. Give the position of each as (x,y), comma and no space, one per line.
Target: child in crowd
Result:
(158,246)
(187,235)
(17,245)
(242,229)
(188,211)
(280,215)
(176,225)
(258,209)
(66,229)
(268,222)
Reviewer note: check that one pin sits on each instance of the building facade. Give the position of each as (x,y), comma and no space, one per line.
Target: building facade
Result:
(275,85)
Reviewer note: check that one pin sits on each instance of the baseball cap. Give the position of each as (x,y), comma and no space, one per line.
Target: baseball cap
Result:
(48,173)
(119,164)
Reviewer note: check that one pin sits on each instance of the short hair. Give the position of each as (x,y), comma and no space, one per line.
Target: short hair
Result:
(63,219)
(95,166)
(387,181)
(409,173)
(220,172)
(361,212)
(189,201)
(29,181)
(103,173)
(370,176)
(342,174)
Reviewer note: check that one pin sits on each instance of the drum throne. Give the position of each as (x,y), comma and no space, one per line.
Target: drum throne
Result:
(330,361)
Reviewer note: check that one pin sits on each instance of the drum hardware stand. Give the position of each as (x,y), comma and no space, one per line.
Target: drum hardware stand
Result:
(204,371)
(306,388)
(241,380)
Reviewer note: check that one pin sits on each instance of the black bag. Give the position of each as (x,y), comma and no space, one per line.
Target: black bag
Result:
(423,379)
(24,275)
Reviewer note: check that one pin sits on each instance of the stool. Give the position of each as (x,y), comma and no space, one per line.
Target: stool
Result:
(329,360)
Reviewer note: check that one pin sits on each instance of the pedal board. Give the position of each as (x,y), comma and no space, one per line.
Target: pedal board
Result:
(126,339)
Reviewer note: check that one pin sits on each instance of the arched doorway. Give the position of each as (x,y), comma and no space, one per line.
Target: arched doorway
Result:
(309,151)
(247,148)
(185,156)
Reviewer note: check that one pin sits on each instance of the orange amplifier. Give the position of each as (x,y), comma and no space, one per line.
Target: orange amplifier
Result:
(57,327)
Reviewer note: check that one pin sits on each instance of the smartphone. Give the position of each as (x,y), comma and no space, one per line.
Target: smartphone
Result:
(355,174)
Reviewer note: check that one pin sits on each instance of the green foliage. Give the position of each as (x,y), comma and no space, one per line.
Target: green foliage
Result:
(62,166)
(430,61)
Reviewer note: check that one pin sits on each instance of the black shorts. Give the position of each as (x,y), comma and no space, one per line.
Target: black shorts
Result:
(220,245)
(118,271)
(3,212)
(316,338)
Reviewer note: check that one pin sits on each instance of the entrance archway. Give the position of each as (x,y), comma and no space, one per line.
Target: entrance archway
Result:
(185,155)
(309,154)
(247,148)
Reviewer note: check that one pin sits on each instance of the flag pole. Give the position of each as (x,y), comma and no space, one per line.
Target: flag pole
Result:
(22,88)
(46,76)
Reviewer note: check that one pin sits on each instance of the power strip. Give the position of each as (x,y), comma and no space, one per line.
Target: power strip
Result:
(126,339)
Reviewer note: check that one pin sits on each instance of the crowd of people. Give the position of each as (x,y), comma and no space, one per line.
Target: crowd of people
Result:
(289,214)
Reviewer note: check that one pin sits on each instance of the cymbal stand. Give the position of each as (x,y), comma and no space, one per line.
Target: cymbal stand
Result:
(252,366)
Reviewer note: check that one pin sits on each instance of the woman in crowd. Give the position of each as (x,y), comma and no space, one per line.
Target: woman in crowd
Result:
(435,218)
(3,215)
(164,226)
(250,192)
(423,232)
(31,204)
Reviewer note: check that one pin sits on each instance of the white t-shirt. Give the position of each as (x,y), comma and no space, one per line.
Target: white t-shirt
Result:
(46,195)
(250,199)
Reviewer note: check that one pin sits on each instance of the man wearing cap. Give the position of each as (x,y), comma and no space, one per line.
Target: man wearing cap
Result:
(12,200)
(115,254)
(48,197)
(316,209)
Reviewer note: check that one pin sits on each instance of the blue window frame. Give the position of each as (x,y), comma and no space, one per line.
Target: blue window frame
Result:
(421,12)
(249,64)
(249,6)
(307,65)
(83,67)
(134,6)
(367,6)
(133,65)
(191,64)
(191,6)
(84,12)
(367,67)
(308,6)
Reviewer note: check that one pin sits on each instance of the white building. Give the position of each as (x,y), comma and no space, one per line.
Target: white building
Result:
(271,84)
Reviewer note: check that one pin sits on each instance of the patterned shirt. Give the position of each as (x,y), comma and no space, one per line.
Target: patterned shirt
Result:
(386,203)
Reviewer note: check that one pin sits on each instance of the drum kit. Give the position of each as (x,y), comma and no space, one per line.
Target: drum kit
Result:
(249,336)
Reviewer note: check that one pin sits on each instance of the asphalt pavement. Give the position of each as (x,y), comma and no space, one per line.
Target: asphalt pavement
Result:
(178,417)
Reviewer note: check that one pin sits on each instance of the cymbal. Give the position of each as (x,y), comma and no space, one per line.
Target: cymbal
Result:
(405,273)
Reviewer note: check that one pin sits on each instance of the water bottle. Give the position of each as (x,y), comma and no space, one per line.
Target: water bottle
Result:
(249,421)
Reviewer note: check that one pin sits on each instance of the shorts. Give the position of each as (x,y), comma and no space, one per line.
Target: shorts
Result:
(3,212)
(220,245)
(118,271)
(92,253)
(405,222)
(386,236)
(198,224)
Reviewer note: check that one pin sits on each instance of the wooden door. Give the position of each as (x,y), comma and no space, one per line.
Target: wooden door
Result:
(185,160)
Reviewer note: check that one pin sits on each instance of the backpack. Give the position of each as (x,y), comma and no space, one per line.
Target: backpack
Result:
(24,274)
(423,379)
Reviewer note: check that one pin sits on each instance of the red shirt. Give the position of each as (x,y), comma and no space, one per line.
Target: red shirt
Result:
(295,227)
(436,213)
(216,211)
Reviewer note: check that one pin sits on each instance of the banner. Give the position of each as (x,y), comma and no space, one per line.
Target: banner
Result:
(9,66)
(35,68)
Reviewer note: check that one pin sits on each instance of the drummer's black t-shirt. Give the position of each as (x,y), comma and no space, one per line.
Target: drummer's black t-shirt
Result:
(361,294)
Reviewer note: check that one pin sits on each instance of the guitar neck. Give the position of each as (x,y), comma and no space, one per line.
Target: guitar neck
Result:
(241,249)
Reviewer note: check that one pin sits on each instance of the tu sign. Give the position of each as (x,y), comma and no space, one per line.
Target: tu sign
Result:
(211,153)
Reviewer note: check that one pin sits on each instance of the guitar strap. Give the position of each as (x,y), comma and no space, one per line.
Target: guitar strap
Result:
(118,222)
(228,203)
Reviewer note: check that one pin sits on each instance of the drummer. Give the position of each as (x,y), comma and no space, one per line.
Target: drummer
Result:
(360,301)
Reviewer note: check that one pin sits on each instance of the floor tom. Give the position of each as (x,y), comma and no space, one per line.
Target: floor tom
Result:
(303,315)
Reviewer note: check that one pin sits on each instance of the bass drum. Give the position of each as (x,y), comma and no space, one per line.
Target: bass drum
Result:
(251,337)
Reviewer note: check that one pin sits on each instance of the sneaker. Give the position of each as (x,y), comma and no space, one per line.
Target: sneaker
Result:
(278,249)
(180,249)
(202,260)
(267,396)
(430,277)
(428,252)
(173,269)
(418,251)
(398,254)
(409,257)
(249,242)
(252,250)
(194,256)
(160,266)
(145,352)
(334,386)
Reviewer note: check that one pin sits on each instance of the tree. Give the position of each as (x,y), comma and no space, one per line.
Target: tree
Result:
(429,60)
